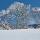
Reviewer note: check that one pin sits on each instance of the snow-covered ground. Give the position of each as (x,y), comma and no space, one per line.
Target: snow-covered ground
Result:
(26,30)
(20,34)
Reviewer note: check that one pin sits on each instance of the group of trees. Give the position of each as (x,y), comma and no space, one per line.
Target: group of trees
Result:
(19,12)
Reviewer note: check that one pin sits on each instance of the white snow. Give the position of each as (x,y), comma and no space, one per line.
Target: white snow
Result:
(20,34)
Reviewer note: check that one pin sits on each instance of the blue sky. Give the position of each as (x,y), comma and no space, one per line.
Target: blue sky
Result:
(5,3)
